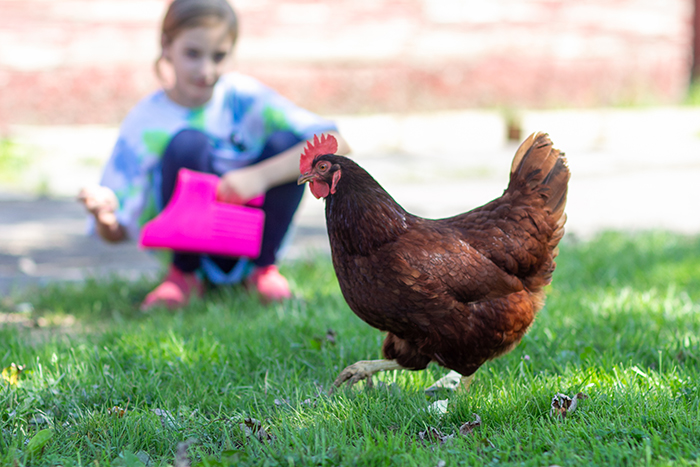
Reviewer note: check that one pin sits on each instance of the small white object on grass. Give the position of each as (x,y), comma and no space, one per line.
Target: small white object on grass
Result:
(439,407)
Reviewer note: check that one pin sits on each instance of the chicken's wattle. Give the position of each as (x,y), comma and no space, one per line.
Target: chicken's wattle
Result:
(319,189)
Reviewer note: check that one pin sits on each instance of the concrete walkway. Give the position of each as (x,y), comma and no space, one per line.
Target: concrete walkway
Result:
(631,169)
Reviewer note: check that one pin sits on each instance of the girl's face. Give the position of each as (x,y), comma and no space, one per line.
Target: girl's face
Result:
(198,56)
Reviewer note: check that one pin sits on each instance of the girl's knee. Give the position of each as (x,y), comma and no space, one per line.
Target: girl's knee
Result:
(187,148)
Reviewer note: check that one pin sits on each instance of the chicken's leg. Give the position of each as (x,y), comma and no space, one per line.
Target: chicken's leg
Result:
(364,369)
(465,382)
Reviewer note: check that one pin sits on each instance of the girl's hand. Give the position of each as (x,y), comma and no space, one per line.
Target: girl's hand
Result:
(101,202)
(240,186)
(98,200)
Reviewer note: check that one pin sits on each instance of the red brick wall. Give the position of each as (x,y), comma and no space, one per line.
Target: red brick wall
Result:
(89,61)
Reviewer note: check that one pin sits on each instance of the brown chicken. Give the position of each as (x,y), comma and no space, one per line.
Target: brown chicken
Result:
(458,291)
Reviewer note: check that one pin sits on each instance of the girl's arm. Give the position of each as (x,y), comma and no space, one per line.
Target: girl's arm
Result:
(109,229)
(241,185)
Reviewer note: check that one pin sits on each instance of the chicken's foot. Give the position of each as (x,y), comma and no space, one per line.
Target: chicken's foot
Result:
(364,369)
(452,381)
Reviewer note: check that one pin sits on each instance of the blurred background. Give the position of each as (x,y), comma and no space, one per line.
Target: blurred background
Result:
(433,95)
(89,61)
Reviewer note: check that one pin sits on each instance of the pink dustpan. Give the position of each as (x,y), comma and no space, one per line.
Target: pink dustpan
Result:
(193,221)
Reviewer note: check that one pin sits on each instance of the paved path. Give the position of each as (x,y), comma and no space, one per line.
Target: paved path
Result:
(631,169)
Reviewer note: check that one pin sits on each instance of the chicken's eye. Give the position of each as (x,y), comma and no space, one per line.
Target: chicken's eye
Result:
(323,166)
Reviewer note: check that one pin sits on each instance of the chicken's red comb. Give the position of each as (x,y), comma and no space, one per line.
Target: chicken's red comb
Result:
(327,144)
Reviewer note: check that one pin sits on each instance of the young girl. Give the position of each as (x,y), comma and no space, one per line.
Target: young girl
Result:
(227,124)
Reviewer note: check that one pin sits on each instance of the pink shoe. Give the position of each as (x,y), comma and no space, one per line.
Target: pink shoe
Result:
(270,284)
(175,290)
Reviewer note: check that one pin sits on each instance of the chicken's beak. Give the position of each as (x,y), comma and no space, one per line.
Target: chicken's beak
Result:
(307,177)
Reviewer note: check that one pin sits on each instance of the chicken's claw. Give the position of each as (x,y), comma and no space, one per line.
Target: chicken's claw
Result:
(353,374)
(364,369)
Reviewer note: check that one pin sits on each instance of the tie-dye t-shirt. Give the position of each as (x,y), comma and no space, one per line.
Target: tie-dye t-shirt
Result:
(239,119)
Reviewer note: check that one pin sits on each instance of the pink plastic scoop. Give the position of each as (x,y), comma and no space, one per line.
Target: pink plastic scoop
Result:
(194,221)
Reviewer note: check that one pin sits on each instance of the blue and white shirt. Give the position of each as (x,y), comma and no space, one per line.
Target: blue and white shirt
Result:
(239,119)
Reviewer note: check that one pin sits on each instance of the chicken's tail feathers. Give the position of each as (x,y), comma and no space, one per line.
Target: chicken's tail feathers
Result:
(537,164)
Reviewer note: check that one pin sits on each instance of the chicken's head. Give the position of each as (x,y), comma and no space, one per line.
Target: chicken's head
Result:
(321,174)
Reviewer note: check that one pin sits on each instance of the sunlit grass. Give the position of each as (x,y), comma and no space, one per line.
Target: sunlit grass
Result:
(14,159)
(621,325)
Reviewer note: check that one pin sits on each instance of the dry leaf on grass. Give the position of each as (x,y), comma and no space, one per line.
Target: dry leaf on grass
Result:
(468,427)
(563,405)
(117,411)
(433,435)
(253,427)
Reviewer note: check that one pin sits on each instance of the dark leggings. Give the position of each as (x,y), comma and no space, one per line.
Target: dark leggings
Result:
(191,149)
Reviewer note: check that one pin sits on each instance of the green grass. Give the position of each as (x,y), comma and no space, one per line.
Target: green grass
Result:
(14,159)
(621,324)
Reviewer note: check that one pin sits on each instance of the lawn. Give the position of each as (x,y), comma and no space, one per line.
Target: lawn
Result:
(229,382)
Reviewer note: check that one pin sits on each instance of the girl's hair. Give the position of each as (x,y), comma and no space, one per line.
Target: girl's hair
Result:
(185,14)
